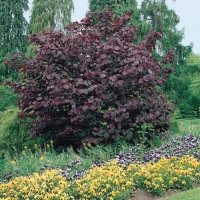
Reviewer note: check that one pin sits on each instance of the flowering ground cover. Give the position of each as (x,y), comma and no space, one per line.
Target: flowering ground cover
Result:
(47,175)
(109,181)
(180,146)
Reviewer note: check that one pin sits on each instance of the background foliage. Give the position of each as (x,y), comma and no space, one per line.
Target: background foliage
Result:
(13,29)
(7,98)
(49,15)
(14,133)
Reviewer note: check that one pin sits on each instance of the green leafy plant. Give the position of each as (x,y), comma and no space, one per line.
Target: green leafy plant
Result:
(7,98)
(14,134)
(13,27)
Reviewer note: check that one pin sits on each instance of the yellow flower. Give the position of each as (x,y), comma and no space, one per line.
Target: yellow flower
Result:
(51,141)
(123,188)
(35,145)
(115,181)
(183,182)
(128,183)
(113,193)
(41,158)
(117,192)
(147,183)
(100,194)
(197,174)
(25,147)
(173,158)
(156,186)
(107,186)
(175,179)
(104,190)
(85,196)
(13,162)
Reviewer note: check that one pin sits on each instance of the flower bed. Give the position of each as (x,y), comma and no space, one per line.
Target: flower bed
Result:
(108,181)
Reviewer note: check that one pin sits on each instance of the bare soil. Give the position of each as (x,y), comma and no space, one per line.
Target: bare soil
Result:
(145,195)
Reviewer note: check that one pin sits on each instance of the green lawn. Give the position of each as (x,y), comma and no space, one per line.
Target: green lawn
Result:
(188,127)
(193,194)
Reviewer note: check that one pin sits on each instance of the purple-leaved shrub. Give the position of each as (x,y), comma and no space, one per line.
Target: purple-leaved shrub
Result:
(93,84)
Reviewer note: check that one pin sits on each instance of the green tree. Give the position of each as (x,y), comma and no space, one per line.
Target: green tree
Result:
(194,87)
(50,14)
(7,98)
(120,7)
(186,84)
(157,15)
(193,60)
(13,28)
(193,64)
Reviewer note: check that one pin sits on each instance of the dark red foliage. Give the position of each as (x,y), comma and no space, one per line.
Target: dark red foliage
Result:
(93,84)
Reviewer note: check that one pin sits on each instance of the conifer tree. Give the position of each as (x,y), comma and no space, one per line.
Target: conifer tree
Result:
(50,14)
(157,15)
(119,7)
(13,28)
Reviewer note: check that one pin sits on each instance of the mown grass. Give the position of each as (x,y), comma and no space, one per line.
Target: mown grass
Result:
(187,127)
(193,194)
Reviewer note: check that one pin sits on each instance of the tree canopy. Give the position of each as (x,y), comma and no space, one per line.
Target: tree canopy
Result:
(13,28)
(50,14)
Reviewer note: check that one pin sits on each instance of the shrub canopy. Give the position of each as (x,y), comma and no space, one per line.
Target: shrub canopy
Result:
(94,84)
